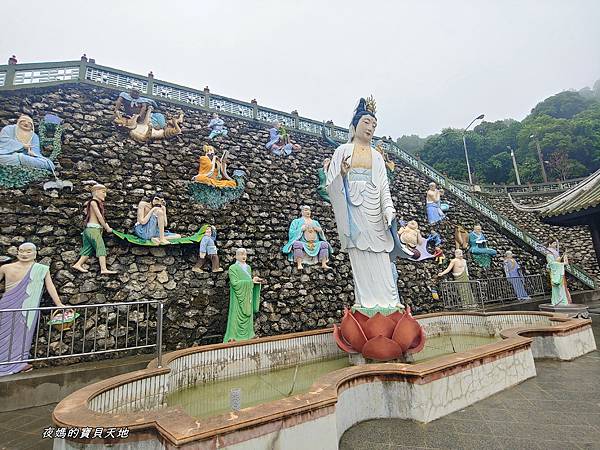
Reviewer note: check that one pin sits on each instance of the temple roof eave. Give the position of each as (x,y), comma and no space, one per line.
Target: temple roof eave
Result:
(583,196)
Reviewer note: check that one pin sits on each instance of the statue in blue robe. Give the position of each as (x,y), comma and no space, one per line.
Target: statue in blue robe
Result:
(20,146)
(306,241)
(515,276)
(279,141)
(482,254)
(217,126)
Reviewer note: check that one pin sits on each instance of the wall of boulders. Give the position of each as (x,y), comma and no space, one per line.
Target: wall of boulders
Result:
(577,241)
(196,304)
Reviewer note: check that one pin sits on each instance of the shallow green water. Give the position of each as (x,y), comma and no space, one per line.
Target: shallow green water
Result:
(213,398)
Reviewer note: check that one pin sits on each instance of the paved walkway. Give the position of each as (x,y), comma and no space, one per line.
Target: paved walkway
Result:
(22,429)
(558,409)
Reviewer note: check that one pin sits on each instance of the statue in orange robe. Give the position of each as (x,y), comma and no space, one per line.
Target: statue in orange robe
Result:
(212,170)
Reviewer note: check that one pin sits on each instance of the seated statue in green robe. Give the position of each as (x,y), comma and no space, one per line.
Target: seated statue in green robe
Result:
(322,173)
(244,299)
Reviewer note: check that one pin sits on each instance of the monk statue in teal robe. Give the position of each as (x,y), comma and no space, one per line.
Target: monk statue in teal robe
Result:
(482,254)
(556,266)
(306,241)
(244,299)
(24,284)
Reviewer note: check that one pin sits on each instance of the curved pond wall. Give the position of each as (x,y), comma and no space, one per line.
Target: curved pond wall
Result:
(338,400)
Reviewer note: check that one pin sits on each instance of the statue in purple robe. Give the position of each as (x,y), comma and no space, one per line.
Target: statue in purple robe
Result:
(24,283)
(515,276)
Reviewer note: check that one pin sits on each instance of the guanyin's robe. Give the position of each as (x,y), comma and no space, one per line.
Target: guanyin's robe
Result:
(558,280)
(360,201)
(244,302)
(209,175)
(13,153)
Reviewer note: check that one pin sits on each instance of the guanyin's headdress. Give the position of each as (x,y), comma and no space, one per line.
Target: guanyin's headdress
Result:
(364,107)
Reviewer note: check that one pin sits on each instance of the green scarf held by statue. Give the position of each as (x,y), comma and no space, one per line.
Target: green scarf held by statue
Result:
(244,302)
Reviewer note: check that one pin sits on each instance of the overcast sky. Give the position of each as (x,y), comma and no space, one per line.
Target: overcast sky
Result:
(429,64)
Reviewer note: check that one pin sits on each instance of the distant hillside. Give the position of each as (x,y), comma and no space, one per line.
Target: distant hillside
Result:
(566,126)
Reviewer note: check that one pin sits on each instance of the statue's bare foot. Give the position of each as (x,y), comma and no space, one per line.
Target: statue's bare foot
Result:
(299,267)
(108,272)
(326,267)
(155,241)
(27,368)
(79,268)
(164,242)
(197,269)
(220,269)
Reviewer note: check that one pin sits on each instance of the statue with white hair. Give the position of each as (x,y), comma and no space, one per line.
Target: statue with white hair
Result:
(24,282)
(244,299)
(306,241)
(515,276)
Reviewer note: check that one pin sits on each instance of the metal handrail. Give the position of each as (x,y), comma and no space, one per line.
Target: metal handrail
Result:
(118,79)
(87,325)
(490,290)
(530,188)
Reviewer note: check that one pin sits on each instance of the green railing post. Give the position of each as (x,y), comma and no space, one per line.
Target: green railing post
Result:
(254,109)
(296,119)
(150,83)
(82,68)
(10,75)
(206,97)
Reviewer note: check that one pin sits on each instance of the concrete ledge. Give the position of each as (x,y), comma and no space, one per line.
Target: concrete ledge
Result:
(52,384)
(423,391)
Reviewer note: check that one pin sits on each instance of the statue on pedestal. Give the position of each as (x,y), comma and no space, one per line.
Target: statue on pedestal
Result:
(460,272)
(217,126)
(435,208)
(482,254)
(93,244)
(515,276)
(558,279)
(24,283)
(208,248)
(20,146)
(306,241)
(244,299)
(279,140)
(358,187)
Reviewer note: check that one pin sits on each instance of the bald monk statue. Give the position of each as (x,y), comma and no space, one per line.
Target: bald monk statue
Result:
(20,146)
(24,283)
